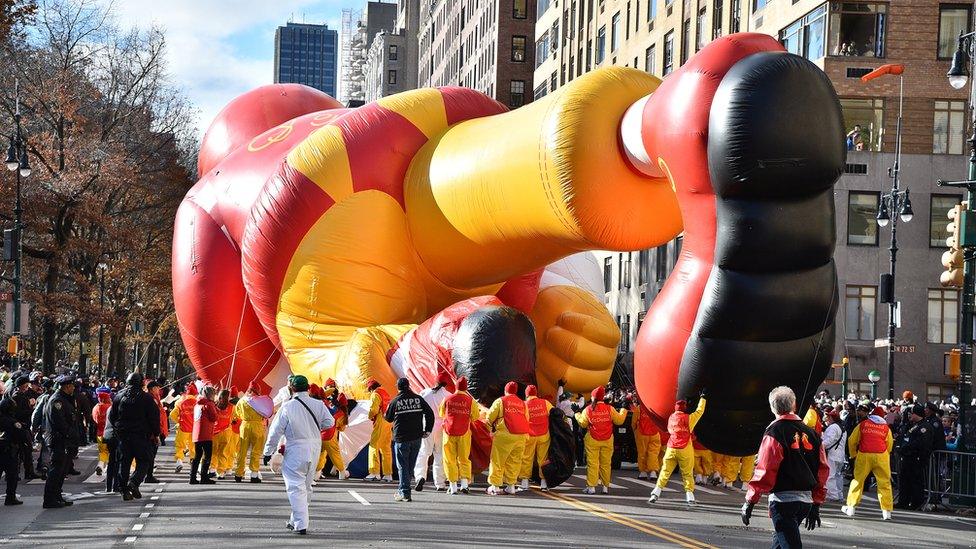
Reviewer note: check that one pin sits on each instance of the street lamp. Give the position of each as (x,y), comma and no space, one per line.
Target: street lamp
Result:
(958,76)
(102,267)
(892,202)
(874,377)
(18,162)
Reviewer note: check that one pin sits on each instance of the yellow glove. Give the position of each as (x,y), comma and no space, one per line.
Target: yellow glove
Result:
(576,340)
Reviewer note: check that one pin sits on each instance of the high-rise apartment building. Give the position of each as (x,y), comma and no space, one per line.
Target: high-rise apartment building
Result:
(479,44)
(359,29)
(306,54)
(847,40)
(391,63)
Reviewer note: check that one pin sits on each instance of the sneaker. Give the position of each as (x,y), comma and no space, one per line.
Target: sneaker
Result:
(494,491)
(604,489)
(652,475)
(589,490)
(208,481)
(653,497)
(885,515)
(343,475)
(452,489)
(126,496)
(388,478)
(510,489)
(420,485)
(847,510)
(256,480)
(438,488)
(98,469)
(134,490)
(179,467)
(194,481)
(398,496)
(642,475)
(53,505)
(524,485)
(302,532)
(371,478)
(690,498)
(289,526)
(12,501)
(238,479)
(151,480)
(464,486)
(543,486)
(318,476)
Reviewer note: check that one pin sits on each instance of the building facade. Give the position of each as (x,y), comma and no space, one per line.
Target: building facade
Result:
(479,44)
(359,29)
(391,63)
(846,40)
(306,54)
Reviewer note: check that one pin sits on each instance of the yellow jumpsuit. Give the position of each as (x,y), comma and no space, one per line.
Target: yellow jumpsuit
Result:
(506,448)
(738,467)
(457,449)
(648,446)
(183,442)
(536,447)
(703,461)
(682,457)
(866,463)
(330,448)
(253,433)
(380,458)
(599,453)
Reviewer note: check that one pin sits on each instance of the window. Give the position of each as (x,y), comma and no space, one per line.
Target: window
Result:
(668,53)
(625,334)
(651,9)
(620,271)
(862,224)
(953,19)
(678,244)
(393,53)
(863,123)
(948,136)
(615,32)
(542,49)
(943,325)
(516,96)
(759,4)
(735,14)
(859,316)
(540,91)
(700,42)
(391,77)
(519,9)
(642,259)
(935,393)
(858,29)
(518,49)
(938,218)
(685,41)
(717,19)
(554,37)
(806,36)
(607,273)
(661,263)
(601,44)
(649,57)
(540,7)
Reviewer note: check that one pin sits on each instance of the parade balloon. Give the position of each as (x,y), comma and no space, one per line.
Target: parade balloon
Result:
(318,238)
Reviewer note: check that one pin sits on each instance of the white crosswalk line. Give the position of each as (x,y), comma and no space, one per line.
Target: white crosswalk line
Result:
(93,479)
(612,485)
(130,539)
(358,497)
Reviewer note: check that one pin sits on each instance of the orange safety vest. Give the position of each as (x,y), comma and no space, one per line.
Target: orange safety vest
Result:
(338,416)
(601,425)
(538,417)
(679,430)
(645,424)
(874,437)
(186,414)
(457,409)
(513,412)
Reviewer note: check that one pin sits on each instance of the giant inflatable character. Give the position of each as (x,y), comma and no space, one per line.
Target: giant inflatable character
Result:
(326,241)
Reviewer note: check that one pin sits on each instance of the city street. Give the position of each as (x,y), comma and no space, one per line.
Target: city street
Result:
(357,514)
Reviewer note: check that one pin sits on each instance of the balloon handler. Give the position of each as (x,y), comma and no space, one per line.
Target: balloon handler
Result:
(599,418)
(680,452)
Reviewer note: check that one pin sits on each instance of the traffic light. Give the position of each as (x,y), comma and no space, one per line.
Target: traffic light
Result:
(953,361)
(952,259)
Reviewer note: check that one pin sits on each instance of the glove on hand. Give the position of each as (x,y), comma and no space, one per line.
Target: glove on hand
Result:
(266,460)
(813,517)
(747,512)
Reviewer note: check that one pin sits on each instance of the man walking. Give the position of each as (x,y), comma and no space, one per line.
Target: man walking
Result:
(458,411)
(834,440)
(680,452)
(792,468)
(413,420)
(915,448)
(253,434)
(62,437)
(300,420)
(869,444)
(135,420)
(434,444)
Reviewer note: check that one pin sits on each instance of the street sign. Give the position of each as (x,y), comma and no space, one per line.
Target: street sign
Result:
(904,348)
(8,320)
(878,343)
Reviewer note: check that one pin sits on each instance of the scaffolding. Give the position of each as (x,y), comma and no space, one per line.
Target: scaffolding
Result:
(352,55)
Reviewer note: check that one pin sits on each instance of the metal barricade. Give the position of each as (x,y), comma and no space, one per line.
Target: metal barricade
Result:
(951,479)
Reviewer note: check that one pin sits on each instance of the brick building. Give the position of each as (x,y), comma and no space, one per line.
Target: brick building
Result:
(484,45)
(847,40)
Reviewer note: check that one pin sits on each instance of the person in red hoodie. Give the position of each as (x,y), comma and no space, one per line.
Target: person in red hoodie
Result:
(204,418)
(99,415)
(182,416)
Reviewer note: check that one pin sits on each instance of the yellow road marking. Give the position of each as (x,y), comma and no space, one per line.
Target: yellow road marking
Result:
(647,528)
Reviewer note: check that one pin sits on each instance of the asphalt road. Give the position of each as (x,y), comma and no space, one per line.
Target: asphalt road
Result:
(354,513)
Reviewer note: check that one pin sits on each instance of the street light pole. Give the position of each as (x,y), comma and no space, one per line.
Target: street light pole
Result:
(18,163)
(101,324)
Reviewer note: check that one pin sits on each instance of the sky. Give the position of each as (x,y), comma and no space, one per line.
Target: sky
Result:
(219,49)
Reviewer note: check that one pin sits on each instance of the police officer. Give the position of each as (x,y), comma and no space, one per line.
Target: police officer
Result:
(61,436)
(933,416)
(25,400)
(135,418)
(13,434)
(916,445)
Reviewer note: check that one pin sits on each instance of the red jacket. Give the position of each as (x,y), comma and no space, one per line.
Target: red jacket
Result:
(100,412)
(204,417)
(163,420)
(771,455)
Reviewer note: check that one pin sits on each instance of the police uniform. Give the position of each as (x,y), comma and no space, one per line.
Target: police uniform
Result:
(915,448)
(61,435)
(13,435)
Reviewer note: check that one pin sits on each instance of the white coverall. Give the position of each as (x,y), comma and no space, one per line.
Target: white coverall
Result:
(835,442)
(433,444)
(303,442)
